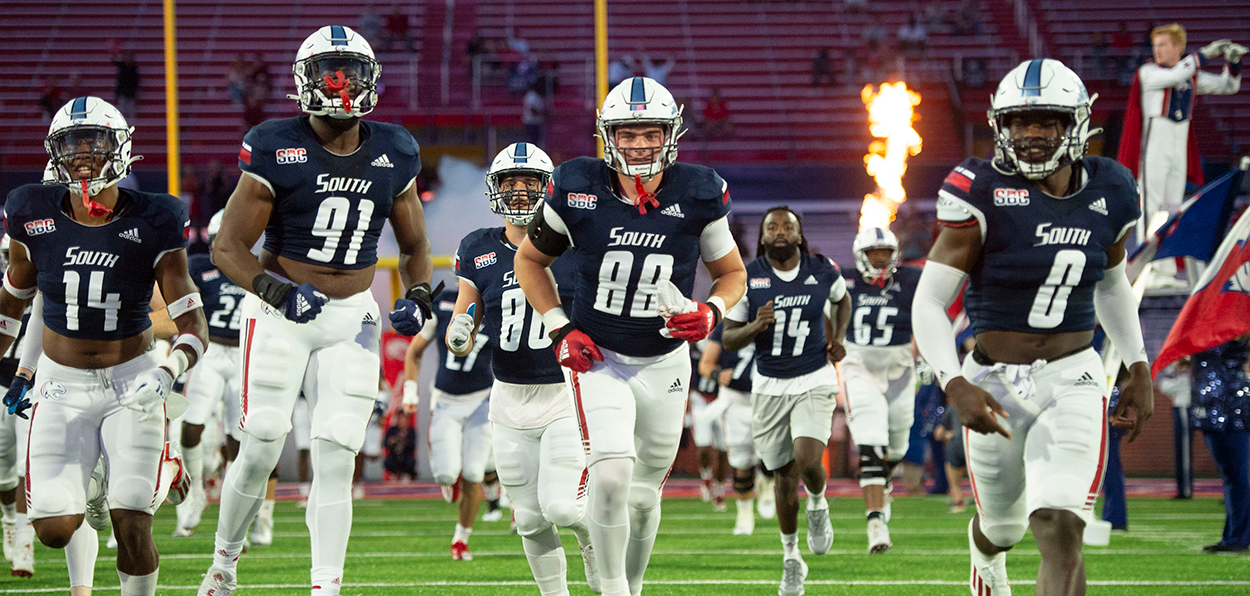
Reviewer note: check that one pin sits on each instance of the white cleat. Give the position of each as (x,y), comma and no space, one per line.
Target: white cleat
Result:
(218,582)
(358,492)
(190,511)
(745,524)
(176,474)
(767,505)
(718,504)
(10,532)
(819,531)
(112,542)
(990,579)
(885,508)
(23,561)
(878,537)
(262,532)
(493,515)
(592,569)
(793,572)
(97,500)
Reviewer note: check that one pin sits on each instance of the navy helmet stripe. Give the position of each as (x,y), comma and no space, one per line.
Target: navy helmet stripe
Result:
(637,93)
(1033,79)
(338,37)
(880,234)
(520,150)
(78,111)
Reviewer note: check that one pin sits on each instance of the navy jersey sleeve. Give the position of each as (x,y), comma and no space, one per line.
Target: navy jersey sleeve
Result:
(408,164)
(17,220)
(255,157)
(957,199)
(714,188)
(1125,202)
(464,261)
(718,333)
(177,226)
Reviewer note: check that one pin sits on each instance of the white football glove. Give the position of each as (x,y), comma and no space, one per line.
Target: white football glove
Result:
(923,372)
(459,331)
(148,392)
(1234,51)
(670,302)
(410,393)
(1214,48)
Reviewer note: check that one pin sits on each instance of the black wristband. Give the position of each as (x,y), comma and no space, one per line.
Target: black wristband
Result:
(715,374)
(716,315)
(272,291)
(559,334)
(423,296)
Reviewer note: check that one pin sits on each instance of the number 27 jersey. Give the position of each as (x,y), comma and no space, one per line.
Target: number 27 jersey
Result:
(1040,256)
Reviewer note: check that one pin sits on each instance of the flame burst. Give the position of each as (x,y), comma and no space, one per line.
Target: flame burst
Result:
(891,112)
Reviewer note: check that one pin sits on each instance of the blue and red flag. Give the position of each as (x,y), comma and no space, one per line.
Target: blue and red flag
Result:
(1195,229)
(1219,308)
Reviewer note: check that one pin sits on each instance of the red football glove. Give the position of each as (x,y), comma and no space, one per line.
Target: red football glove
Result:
(696,325)
(574,349)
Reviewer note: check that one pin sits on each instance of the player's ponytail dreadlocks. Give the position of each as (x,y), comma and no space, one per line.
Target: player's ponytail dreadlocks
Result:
(759,247)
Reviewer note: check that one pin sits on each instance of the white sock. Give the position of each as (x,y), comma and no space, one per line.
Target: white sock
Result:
(545,554)
(193,460)
(226,554)
(643,525)
(329,514)
(25,532)
(816,500)
(80,556)
(705,473)
(462,534)
(266,511)
(607,515)
(304,488)
(491,490)
(790,546)
(138,585)
(9,512)
(718,488)
(746,505)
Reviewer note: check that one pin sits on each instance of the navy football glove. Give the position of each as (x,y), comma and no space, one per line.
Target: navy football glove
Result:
(414,309)
(304,303)
(15,399)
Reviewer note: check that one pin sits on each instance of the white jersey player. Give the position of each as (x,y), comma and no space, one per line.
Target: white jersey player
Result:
(638,223)
(320,186)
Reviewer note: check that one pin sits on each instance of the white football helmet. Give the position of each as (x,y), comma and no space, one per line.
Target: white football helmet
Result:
(84,131)
(1043,85)
(4,252)
(639,100)
(336,74)
(868,239)
(214,224)
(518,158)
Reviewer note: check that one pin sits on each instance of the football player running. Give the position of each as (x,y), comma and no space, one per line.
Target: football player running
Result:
(460,431)
(94,251)
(879,371)
(538,444)
(794,384)
(216,379)
(637,223)
(732,372)
(1039,231)
(320,186)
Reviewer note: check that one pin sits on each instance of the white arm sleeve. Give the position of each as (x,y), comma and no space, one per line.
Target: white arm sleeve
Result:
(32,342)
(1153,76)
(1218,84)
(739,312)
(716,240)
(837,290)
(935,335)
(1116,309)
(430,329)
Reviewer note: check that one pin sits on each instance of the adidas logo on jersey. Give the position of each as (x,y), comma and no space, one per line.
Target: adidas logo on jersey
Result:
(673,210)
(383,162)
(369,320)
(1100,206)
(810,281)
(1085,381)
(676,387)
(132,235)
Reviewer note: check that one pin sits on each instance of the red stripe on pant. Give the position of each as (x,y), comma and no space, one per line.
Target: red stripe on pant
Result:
(972,479)
(247,364)
(1096,486)
(33,410)
(660,490)
(581,412)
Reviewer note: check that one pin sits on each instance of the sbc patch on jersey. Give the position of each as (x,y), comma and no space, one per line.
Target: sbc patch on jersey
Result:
(1011,197)
(293,155)
(40,226)
(484,260)
(579,200)
(760,283)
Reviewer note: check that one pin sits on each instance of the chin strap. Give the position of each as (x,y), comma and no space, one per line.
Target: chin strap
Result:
(339,85)
(94,209)
(644,198)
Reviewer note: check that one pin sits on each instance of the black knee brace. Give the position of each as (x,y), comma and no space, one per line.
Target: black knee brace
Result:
(873,464)
(744,484)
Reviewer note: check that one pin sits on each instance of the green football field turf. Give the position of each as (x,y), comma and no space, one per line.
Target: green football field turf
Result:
(401,548)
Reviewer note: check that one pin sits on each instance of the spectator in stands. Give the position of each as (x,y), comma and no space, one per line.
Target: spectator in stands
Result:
(912,37)
(935,16)
(822,69)
(397,30)
(534,116)
(716,124)
(875,32)
(127,89)
(237,80)
(259,81)
(1098,51)
(50,98)
(401,448)
(658,71)
(371,26)
(1122,41)
(253,110)
(620,69)
(523,76)
(474,48)
(968,18)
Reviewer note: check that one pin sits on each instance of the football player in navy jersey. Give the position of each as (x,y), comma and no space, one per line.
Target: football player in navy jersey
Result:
(459,433)
(93,251)
(879,371)
(216,379)
(707,433)
(794,384)
(1039,232)
(638,223)
(732,372)
(320,186)
(537,441)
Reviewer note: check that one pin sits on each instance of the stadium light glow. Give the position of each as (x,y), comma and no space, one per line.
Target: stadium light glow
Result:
(891,112)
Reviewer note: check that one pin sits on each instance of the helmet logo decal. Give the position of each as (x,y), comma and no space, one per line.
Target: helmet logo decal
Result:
(338,37)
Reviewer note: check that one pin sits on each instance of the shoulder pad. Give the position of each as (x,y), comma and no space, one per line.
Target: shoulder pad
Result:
(578,172)
(705,184)
(271,134)
(398,136)
(23,199)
